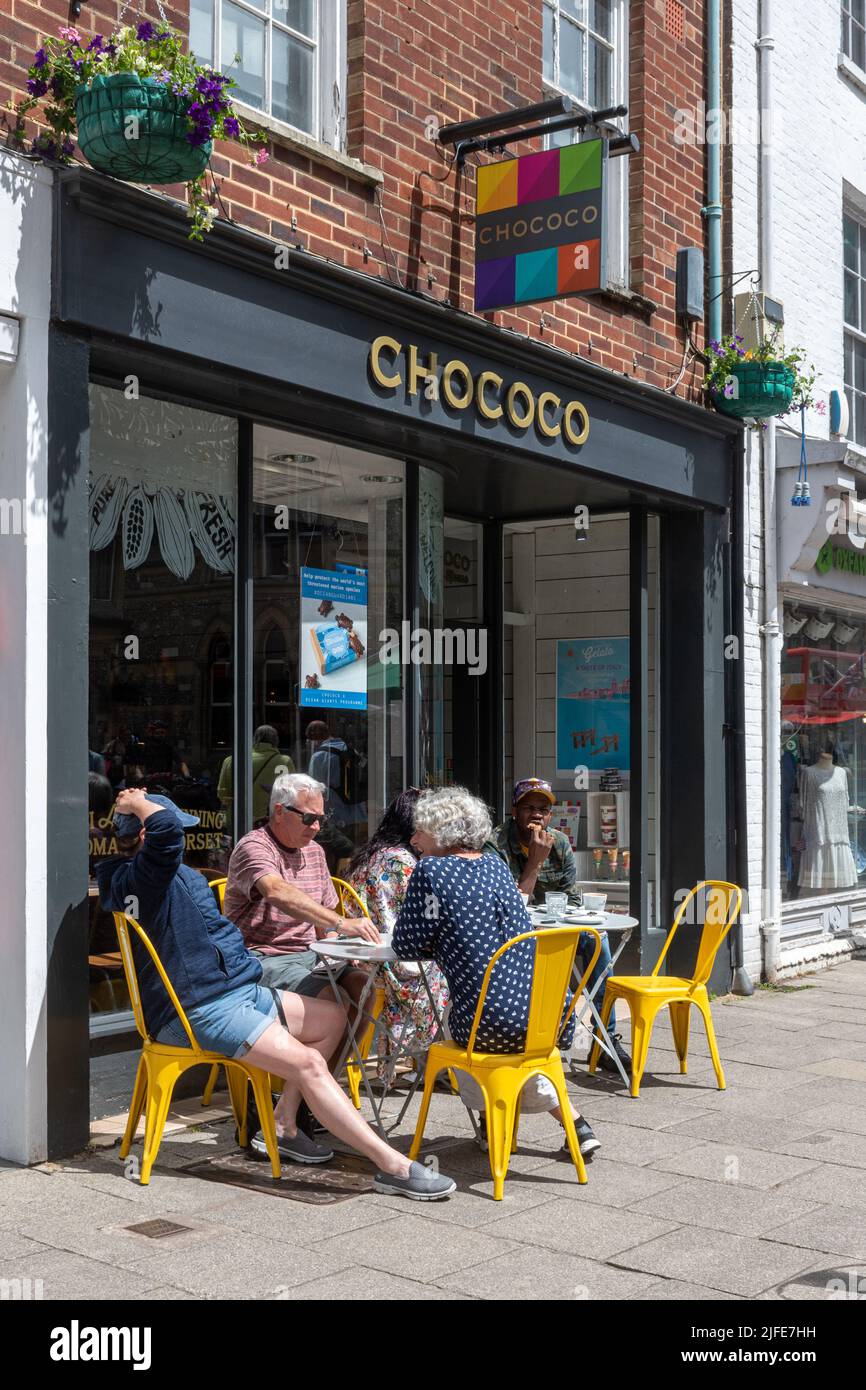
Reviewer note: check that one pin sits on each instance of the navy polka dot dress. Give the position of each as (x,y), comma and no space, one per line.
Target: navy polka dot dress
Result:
(458,912)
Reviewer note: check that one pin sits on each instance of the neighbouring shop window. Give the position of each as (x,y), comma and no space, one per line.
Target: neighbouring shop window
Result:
(286,56)
(855,325)
(328,580)
(585,56)
(162,544)
(854,31)
(823,751)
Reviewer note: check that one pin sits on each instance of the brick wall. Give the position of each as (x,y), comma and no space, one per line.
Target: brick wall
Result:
(410,59)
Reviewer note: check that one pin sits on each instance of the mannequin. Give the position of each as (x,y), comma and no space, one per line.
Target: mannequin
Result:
(826,862)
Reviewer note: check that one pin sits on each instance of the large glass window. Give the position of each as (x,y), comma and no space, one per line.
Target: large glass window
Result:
(585,56)
(162,542)
(823,751)
(286,56)
(327,613)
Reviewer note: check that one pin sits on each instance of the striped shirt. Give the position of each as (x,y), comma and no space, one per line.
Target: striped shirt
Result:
(265,926)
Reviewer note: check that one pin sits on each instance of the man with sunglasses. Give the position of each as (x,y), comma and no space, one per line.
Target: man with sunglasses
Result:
(280,894)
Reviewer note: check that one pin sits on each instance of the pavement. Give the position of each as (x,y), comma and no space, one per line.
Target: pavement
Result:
(757,1192)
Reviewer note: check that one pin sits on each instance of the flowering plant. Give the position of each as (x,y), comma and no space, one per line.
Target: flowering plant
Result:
(730,353)
(62,67)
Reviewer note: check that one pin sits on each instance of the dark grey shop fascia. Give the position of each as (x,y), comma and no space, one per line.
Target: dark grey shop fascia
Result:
(125,271)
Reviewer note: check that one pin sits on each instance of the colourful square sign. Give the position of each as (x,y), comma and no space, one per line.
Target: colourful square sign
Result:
(539,227)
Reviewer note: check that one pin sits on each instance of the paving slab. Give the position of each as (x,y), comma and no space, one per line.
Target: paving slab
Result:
(610,1183)
(112,1244)
(734,1163)
(841,1068)
(827,1228)
(238,1264)
(835,1184)
(631,1144)
(774,1135)
(291,1221)
(716,1260)
(374,1286)
(73,1277)
(414,1248)
(534,1274)
(744,1211)
(848,1150)
(582,1228)
(675,1291)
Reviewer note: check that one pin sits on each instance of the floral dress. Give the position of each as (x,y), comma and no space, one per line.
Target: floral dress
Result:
(407,1015)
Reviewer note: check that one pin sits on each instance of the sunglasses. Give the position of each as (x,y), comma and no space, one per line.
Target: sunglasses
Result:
(308,817)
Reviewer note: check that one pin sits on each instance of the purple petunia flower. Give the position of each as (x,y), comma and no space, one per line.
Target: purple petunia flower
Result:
(36,86)
(40,58)
(231,125)
(714,344)
(145,32)
(728,391)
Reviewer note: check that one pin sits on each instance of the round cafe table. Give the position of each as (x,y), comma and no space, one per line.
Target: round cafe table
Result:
(616,924)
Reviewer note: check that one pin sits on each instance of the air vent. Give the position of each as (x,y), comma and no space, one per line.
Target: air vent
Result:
(675,19)
(298,476)
(158,1229)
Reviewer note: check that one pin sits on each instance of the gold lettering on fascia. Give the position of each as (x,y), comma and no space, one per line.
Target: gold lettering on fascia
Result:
(488,392)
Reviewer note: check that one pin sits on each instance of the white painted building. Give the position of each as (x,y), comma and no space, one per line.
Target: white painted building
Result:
(797,206)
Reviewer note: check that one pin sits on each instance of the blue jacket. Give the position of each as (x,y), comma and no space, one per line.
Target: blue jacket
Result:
(203,953)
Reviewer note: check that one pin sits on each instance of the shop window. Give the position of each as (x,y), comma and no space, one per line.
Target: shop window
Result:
(854,31)
(854,252)
(162,509)
(286,56)
(328,546)
(823,751)
(585,56)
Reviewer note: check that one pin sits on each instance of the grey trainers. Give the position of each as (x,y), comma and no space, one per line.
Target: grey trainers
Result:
(422,1184)
(300,1148)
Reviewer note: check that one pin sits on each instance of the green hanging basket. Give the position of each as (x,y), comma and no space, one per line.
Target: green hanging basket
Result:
(762,389)
(136,129)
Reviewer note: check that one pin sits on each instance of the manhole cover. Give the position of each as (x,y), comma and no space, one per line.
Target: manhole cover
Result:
(157,1229)
(322,1185)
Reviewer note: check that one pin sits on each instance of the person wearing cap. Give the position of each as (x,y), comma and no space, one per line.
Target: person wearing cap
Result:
(217,981)
(542,861)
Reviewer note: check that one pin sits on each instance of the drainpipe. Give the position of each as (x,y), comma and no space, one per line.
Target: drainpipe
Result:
(770,631)
(713,210)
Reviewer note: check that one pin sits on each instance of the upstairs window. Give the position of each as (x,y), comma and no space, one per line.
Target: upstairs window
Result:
(585,56)
(286,56)
(854,254)
(854,31)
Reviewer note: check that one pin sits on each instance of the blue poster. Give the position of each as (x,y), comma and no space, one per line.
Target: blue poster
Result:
(333,664)
(593,698)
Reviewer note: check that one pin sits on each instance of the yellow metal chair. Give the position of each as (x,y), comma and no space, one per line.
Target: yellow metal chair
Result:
(161,1065)
(219,887)
(502,1076)
(646,994)
(348,897)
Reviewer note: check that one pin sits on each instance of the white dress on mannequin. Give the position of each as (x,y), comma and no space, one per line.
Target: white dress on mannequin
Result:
(826,862)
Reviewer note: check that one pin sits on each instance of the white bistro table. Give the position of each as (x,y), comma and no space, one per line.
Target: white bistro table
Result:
(616,924)
(341,951)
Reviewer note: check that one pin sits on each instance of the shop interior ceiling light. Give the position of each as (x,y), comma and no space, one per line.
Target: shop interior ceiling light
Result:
(817,630)
(389,478)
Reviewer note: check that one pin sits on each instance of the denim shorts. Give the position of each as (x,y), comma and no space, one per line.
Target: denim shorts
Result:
(229,1024)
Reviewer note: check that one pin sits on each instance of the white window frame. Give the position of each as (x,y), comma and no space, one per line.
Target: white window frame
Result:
(329,66)
(848,24)
(617,268)
(856,333)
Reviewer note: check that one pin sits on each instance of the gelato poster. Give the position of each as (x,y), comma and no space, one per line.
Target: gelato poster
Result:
(333,663)
(592,705)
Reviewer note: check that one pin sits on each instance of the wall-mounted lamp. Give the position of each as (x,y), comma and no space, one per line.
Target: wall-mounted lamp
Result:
(10,330)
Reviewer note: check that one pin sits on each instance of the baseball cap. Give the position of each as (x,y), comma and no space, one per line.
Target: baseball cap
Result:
(532,784)
(125,824)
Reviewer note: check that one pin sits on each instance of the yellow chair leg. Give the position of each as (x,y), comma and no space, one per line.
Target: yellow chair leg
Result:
(500,1127)
(606,1011)
(429,1081)
(680,1011)
(353,1076)
(136,1105)
(704,1006)
(643,1025)
(159,1092)
(265,1106)
(568,1125)
(207,1094)
(516,1126)
(237,1083)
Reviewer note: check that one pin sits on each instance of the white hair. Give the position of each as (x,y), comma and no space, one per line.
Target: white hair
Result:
(454,818)
(290,785)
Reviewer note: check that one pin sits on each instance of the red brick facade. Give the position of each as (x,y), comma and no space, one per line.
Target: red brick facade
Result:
(456,59)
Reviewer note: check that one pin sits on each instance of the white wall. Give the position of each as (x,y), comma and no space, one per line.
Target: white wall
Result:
(25,272)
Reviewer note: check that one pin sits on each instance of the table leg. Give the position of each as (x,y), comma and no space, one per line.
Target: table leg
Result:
(405,1051)
(589,1006)
(351,1043)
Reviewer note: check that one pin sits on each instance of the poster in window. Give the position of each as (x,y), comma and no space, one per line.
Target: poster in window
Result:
(333,662)
(593,701)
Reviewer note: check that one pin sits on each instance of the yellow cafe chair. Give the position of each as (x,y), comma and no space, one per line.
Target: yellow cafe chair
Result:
(348,897)
(219,887)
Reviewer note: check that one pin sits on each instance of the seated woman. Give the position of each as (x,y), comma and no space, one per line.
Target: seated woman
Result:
(380,874)
(460,907)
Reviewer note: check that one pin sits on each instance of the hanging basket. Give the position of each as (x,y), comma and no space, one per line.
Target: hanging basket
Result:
(762,389)
(136,129)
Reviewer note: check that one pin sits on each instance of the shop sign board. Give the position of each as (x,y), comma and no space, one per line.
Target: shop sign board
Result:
(593,704)
(333,660)
(539,226)
(839,557)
